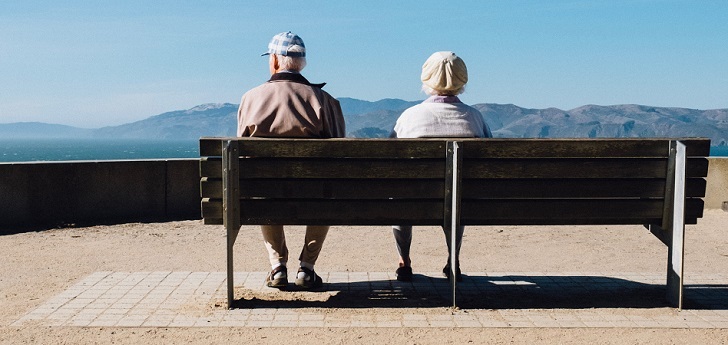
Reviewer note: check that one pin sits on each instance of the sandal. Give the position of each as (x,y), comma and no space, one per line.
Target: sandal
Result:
(309,279)
(277,278)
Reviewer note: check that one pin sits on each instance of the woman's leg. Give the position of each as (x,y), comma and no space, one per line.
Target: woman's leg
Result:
(403,239)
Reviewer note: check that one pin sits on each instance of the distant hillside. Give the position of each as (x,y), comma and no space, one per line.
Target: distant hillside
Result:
(376,119)
(372,119)
(353,106)
(30,130)
(214,119)
(616,121)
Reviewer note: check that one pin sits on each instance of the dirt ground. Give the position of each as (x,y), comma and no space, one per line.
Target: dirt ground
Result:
(38,265)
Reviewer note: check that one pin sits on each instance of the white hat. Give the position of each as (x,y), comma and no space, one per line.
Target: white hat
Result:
(444,71)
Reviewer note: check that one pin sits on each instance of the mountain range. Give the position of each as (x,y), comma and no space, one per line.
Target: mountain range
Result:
(365,119)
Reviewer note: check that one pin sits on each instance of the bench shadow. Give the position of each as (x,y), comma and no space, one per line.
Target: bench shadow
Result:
(706,296)
(492,292)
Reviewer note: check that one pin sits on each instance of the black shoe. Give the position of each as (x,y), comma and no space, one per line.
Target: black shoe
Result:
(458,274)
(310,279)
(277,282)
(404,274)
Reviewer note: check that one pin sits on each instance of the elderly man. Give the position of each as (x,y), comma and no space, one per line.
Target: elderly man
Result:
(288,105)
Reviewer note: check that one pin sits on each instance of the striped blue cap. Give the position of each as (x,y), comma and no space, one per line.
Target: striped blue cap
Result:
(282,43)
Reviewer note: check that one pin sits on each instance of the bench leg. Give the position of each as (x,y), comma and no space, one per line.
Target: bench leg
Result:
(674,223)
(673,238)
(675,276)
(676,230)
(232,234)
(230,275)
(672,230)
(231,208)
(452,208)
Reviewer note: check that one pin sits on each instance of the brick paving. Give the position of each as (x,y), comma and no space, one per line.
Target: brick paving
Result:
(492,299)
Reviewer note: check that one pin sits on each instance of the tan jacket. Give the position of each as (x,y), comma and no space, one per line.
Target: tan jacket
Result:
(289,106)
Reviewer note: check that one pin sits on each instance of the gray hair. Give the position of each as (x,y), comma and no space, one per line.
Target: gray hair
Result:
(432,92)
(293,64)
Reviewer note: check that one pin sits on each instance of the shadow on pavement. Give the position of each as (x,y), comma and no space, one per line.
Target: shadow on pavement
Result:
(491,292)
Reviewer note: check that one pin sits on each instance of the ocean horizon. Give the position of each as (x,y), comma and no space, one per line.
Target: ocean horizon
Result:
(35,150)
(32,150)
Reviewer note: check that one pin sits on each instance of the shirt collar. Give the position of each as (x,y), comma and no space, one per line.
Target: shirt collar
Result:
(442,99)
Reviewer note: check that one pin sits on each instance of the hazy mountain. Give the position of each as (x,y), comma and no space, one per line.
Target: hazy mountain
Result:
(353,106)
(376,119)
(366,119)
(31,130)
(616,121)
(213,119)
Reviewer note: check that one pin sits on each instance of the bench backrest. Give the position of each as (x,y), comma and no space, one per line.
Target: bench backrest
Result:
(407,181)
(332,181)
(575,181)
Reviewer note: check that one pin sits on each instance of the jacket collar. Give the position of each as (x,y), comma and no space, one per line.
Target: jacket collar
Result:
(293,77)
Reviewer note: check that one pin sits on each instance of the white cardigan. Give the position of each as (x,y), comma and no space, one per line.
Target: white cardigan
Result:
(441,116)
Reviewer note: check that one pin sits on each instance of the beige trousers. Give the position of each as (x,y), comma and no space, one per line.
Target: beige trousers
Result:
(275,243)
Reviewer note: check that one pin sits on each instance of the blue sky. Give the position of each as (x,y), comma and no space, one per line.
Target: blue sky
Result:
(99,63)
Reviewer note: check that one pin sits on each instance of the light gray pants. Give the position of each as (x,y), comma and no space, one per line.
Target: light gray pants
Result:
(403,237)
(275,243)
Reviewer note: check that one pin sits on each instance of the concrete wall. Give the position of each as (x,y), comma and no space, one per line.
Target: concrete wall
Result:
(105,192)
(98,192)
(717,183)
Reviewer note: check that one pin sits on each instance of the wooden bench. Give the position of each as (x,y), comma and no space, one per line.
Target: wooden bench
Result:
(658,183)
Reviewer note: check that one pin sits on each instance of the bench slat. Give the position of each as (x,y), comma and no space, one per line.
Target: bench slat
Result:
(474,212)
(323,148)
(213,221)
(211,167)
(332,188)
(333,212)
(434,168)
(342,168)
(329,168)
(563,212)
(577,147)
(587,168)
(573,188)
(425,188)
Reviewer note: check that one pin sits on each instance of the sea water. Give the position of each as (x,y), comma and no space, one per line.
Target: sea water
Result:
(28,150)
(719,151)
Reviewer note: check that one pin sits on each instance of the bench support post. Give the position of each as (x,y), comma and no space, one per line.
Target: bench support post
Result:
(452,208)
(674,223)
(231,207)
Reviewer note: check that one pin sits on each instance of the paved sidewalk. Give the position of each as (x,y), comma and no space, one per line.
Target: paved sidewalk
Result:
(492,299)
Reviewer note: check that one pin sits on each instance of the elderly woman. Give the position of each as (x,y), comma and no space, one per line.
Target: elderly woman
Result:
(442,115)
